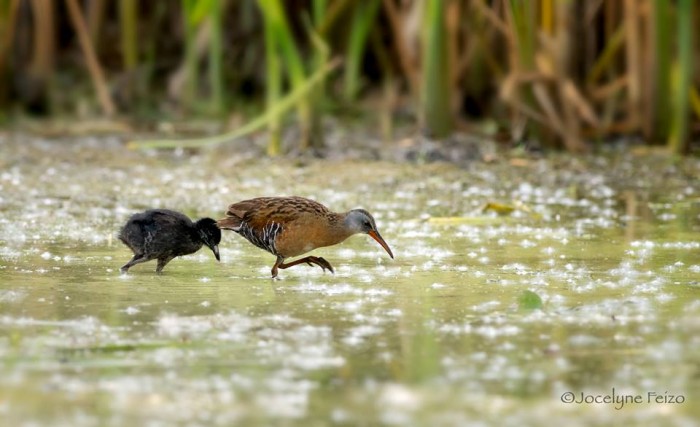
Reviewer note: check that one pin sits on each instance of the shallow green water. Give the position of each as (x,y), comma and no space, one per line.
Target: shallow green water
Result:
(449,333)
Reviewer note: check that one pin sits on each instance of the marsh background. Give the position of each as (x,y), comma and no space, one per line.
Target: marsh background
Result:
(566,74)
(533,164)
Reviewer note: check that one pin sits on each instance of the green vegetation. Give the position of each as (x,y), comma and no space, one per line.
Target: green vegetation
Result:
(681,78)
(435,87)
(567,72)
(529,300)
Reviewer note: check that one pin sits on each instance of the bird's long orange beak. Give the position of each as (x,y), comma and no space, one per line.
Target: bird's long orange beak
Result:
(376,236)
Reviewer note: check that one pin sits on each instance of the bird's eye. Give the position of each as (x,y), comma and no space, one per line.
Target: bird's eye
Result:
(367,224)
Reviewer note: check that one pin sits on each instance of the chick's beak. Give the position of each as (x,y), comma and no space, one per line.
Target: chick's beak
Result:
(215,249)
(376,236)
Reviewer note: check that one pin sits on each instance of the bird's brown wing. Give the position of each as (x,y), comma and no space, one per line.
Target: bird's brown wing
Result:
(261,211)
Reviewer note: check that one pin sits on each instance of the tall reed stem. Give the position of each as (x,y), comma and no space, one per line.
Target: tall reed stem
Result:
(661,111)
(216,74)
(681,80)
(435,71)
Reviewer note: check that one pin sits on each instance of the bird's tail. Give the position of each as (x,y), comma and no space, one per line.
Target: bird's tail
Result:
(229,223)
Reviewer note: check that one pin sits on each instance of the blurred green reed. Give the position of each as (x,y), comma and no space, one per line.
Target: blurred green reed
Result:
(273,89)
(363,17)
(435,82)
(190,54)
(564,72)
(661,52)
(282,106)
(523,23)
(216,71)
(283,40)
(203,17)
(681,76)
(128,19)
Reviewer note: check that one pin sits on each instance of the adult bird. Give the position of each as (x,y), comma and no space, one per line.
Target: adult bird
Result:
(292,226)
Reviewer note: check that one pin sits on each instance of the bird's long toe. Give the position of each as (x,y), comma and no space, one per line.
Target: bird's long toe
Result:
(325,265)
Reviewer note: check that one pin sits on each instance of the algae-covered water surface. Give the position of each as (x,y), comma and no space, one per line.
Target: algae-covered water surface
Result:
(529,292)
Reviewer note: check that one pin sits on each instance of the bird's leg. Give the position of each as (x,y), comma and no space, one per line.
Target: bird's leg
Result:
(278,262)
(137,259)
(325,265)
(162,262)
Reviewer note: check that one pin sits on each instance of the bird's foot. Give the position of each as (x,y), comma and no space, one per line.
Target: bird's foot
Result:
(321,262)
(311,260)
